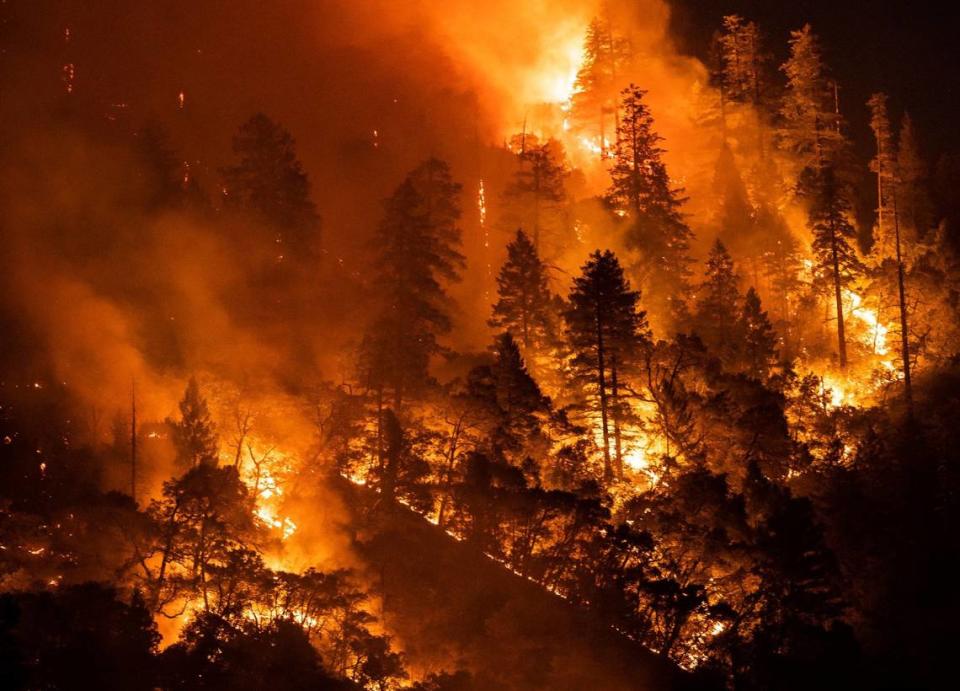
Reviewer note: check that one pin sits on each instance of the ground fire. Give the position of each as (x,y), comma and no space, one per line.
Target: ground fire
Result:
(588,344)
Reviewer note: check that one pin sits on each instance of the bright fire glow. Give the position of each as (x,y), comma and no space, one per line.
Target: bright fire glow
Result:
(876,336)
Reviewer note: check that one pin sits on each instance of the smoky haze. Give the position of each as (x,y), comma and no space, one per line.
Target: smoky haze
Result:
(109,292)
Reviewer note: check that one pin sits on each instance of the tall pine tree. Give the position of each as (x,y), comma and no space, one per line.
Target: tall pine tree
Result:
(607,331)
(523,306)
(836,263)
(269,181)
(810,118)
(417,253)
(594,103)
(889,245)
(717,318)
(641,193)
(536,197)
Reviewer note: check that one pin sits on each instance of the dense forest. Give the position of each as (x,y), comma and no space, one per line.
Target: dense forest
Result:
(656,385)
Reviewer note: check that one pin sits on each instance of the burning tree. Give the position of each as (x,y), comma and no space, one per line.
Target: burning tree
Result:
(417,250)
(642,194)
(837,265)
(524,307)
(536,198)
(888,243)
(194,435)
(607,330)
(605,56)
(269,181)
(810,111)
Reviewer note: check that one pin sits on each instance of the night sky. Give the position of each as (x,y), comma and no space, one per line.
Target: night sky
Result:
(908,49)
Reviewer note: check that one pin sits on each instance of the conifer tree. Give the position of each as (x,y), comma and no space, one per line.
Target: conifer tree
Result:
(641,193)
(513,402)
(836,262)
(742,76)
(269,181)
(606,331)
(594,103)
(523,306)
(535,199)
(889,243)
(742,57)
(884,165)
(811,121)
(417,252)
(914,205)
(759,339)
(194,435)
(717,317)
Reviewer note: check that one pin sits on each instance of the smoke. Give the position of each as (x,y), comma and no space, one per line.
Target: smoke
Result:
(100,291)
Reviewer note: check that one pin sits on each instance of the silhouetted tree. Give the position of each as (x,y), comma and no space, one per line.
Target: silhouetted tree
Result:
(606,330)
(759,339)
(79,636)
(535,198)
(269,181)
(523,307)
(717,319)
(417,250)
(890,242)
(202,518)
(512,403)
(605,57)
(837,264)
(403,470)
(194,435)
(214,653)
(811,123)
(641,193)
(742,74)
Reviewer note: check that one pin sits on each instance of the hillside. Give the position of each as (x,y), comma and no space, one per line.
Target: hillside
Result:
(451,606)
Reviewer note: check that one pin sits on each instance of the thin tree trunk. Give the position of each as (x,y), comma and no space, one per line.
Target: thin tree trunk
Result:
(841,338)
(448,476)
(904,333)
(380,428)
(602,382)
(615,391)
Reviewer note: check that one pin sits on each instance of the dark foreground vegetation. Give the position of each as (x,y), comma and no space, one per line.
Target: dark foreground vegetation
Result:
(540,413)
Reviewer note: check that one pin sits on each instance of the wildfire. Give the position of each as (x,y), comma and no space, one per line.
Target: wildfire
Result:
(839,393)
(557,80)
(265,475)
(876,337)
(482,208)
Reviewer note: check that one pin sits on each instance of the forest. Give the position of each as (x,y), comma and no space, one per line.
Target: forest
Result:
(366,347)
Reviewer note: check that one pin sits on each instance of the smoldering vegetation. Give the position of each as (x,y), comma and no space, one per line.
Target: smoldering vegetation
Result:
(452,346)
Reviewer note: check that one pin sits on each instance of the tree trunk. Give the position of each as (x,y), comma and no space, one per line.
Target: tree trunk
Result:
(904,333)
(841,338)
(602,384)
(448,476)
(615,393)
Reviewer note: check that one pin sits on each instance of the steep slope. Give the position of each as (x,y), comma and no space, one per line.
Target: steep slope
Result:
(452,607)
